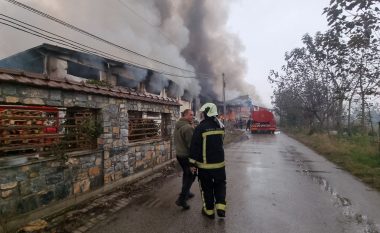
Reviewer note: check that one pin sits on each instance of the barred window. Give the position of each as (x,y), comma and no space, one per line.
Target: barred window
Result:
(43,131)
(147,125)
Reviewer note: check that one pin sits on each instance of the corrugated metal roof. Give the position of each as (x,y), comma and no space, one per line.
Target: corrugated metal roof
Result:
(33,79)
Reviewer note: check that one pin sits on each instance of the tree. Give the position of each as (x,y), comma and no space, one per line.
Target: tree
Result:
(304,79)
(358,22)
(332,68)
(357,19)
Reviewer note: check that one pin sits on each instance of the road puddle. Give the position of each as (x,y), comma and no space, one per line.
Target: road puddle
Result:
(338,200)
(345,205)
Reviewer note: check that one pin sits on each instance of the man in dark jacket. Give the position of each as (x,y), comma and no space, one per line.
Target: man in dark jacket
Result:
(207,155)
(249,122)
(183,133)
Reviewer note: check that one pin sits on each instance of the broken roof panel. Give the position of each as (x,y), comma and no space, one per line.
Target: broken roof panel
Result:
(13,76)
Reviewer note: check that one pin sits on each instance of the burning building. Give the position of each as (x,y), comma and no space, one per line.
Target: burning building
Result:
(75,124)
(71,65)
(239,108)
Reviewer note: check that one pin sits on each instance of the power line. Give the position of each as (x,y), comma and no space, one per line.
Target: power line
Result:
(87,33)
(61,39)
(70,26)
(13,20)
(27,28)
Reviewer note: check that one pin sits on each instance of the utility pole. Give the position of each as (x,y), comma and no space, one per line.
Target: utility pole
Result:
(224,98)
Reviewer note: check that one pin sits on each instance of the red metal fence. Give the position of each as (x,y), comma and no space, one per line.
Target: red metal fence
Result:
(40,131)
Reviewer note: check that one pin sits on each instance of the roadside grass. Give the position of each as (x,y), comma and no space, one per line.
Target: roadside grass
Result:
(358,155)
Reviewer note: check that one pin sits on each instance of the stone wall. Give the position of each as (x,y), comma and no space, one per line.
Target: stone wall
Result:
(36,184)
(119,163)
(30,185)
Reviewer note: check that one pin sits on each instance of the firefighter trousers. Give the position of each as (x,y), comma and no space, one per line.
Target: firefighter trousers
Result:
(213,189)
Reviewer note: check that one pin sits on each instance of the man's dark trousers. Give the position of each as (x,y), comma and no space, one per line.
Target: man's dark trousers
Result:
(187,177)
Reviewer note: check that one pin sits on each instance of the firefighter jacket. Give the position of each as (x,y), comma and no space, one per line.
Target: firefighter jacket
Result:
(206,150)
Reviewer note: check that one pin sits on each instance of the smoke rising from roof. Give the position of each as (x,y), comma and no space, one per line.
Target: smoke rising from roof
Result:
(211,49)
(130,76)
(155,82)
(190,34)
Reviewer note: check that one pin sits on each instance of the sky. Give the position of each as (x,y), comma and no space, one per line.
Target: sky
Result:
(266,30)
(269,28)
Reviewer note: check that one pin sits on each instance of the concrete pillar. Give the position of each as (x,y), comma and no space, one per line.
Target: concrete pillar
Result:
(56,68)
(108,77)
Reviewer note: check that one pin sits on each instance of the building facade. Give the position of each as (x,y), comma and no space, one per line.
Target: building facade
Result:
(72,126)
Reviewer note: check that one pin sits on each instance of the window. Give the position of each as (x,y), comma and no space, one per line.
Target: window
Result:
(147,125)
(126,82)
(155,83)
(82,71)
(43,131)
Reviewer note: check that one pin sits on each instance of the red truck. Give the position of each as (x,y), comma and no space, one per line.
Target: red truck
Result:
(263,121)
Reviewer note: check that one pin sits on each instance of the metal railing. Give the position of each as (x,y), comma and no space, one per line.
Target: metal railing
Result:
(44,131)
(144,129)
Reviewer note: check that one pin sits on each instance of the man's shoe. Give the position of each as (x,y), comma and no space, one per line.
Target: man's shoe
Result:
(190,195)
(221,213)
(210,216)
(183,204)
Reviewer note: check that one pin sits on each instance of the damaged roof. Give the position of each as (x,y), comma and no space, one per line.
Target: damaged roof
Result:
(243,100)
(42,80)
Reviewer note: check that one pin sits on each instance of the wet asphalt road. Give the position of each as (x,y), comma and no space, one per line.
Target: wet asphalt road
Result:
(274,184)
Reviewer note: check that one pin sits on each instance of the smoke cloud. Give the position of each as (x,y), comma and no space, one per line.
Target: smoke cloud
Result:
(130,76)
(156,82)
(190,34)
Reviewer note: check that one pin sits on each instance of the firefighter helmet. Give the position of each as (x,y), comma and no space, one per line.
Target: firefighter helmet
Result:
(210,109)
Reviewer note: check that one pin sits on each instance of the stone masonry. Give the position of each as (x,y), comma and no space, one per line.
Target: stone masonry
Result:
(32,184)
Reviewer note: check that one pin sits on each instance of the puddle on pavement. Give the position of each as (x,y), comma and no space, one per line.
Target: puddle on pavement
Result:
(302,161)
(244,151)
(346,206)
(339,201)
(311,171)
(240,161)
(307,161)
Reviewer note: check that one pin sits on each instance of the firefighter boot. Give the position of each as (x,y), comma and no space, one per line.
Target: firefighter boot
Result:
(210,215)
(221,213)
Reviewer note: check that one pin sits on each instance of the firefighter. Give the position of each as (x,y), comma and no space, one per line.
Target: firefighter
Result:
(207,157)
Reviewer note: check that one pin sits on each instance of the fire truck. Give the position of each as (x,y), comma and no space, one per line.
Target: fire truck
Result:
(263,121)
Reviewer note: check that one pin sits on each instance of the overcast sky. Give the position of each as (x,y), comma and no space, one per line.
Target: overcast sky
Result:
(269,28)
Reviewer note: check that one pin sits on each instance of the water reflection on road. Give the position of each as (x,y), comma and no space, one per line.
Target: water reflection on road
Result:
(274,184)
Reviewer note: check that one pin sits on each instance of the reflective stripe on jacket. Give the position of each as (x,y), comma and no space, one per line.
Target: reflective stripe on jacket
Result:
(206,150)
